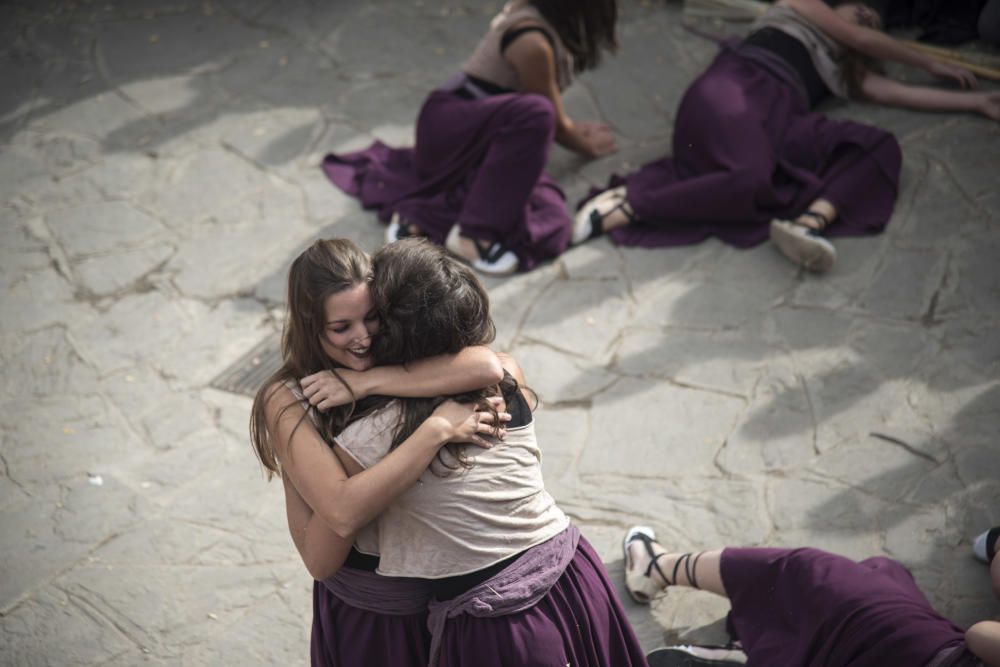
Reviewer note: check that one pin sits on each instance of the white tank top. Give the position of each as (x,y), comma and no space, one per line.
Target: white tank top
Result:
(463,520)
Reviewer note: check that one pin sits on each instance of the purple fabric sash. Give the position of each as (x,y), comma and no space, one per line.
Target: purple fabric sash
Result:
(515,588)
(394,596)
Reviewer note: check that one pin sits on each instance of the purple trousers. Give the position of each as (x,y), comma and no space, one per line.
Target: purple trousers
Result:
(815,609)
(746,149)
(580,622)
(478,163)
(344,635)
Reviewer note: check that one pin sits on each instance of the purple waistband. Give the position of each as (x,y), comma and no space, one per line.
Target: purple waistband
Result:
(394,596)
(515,588)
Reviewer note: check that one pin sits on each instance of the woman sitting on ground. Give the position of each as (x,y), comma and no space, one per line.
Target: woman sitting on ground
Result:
(751,158)
(810,607)
(475,180)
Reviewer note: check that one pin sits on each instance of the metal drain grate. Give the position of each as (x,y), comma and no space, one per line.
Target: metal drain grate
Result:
(249,372)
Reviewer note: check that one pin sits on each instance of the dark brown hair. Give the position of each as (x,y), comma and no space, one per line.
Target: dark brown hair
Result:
(853,64)
(585,27)
(429,304)
(325,268)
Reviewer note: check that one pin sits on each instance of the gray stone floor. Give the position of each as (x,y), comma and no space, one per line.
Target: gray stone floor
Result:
(158,170)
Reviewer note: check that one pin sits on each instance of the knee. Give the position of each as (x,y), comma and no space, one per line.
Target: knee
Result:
(533,112)
(746,181)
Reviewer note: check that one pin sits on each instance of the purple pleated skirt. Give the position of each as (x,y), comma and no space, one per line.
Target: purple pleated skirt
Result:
(343,635)
(580,622)
(747,149)
(477,162)
(815,609)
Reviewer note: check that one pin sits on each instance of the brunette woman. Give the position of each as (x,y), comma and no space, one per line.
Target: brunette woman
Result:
(513,581)
(359,618)
(475,179)
(752,159)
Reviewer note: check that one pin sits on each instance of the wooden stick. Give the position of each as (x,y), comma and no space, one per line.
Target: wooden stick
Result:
(981,70)
(983,59)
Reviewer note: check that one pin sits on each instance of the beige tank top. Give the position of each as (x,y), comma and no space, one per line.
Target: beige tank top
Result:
(488,63)
(825,52)
(468,519)
(366,540)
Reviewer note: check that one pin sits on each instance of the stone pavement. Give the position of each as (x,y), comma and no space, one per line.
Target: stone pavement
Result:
(158,171)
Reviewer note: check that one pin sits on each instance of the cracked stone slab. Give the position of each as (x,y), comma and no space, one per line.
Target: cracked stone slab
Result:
(103,228)
(54,624)
(664,435)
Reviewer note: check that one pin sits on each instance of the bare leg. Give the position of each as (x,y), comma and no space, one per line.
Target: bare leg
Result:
(821,207)
(697,570)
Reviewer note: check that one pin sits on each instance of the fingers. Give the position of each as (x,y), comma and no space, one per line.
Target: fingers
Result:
(479,442)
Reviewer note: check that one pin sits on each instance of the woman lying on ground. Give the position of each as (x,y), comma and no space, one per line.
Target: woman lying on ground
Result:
(810,607)
(513,581)
(752,159)
(475,180)
(358,618)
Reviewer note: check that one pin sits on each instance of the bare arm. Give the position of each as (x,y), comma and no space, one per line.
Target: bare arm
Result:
(531,56)
(472,368)
(874,43)
(983,639)
(348,503)
(321,549)
(883,90)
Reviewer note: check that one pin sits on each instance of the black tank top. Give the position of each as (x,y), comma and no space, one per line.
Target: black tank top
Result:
(793,52)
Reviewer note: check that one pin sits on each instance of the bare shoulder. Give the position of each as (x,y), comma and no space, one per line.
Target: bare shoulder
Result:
(511,366)
(529,50)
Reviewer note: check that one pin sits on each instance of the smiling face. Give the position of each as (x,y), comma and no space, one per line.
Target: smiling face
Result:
(350,323)
(861,14)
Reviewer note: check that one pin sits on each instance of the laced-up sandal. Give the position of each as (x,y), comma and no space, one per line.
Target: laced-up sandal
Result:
(494,259)
(803,244)
(640,585)
(589,221)
(398,229)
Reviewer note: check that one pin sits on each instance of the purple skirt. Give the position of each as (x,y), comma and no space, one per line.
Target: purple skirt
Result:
(747,149)
(477,162)
(343,635)
(816,609)
(580,622)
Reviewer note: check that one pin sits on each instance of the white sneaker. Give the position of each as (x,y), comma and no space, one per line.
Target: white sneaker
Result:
(803,245)
(396,229)
(589,220)
(494,260)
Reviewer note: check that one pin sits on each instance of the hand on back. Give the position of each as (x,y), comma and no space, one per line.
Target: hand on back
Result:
(463,422)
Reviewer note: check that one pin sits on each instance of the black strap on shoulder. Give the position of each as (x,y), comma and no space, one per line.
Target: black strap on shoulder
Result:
(508,37)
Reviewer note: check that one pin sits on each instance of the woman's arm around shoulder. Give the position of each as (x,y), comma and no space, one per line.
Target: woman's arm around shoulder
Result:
(531,55)
(469,369)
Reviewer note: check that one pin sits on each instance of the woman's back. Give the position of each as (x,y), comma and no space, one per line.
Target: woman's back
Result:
(456,519)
